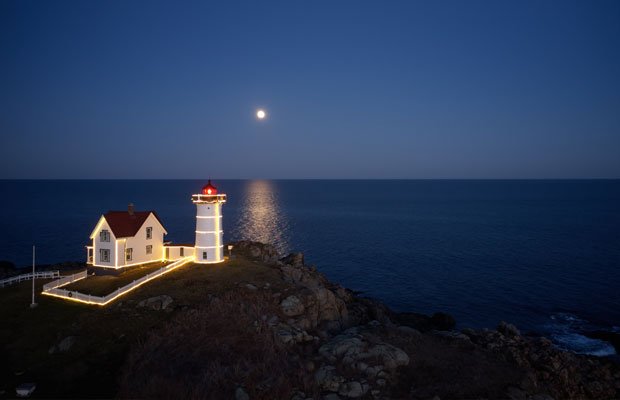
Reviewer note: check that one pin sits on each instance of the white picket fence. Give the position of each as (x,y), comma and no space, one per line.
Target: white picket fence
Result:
(103,300)
(26,277)
(65,280)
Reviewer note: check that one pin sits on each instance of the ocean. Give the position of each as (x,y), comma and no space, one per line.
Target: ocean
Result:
(542,254)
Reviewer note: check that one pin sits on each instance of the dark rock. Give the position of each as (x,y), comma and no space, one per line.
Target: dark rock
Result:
(241,394)
(442,321)
(64,345)
(292,306)
(256,250)
(352,389)
(514,393)
(418,321)
(156,303)
(508,330)
(294,259)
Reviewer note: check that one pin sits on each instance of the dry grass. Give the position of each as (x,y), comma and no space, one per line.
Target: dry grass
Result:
(209,351)
(101,285)
(105,334)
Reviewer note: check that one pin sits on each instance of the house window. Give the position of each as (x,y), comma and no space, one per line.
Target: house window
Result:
(167,253)
(204,255)
(181,252)
(149,232)
(149,249)
(128,254)
(104,255)
(104,236)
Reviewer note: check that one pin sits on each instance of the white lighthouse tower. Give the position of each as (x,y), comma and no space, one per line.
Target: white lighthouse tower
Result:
(209,247)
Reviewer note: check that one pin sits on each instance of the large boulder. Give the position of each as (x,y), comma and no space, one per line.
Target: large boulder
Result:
(508,330)
(354,350)
(352,389)
(391,356)
(241,394)
(156,303)
(316,306)
(292,306)
(331,308)
(64,345)
(256,250)
(328,379)
(294,259)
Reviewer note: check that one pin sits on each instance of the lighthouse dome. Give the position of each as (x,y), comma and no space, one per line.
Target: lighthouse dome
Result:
(209,189)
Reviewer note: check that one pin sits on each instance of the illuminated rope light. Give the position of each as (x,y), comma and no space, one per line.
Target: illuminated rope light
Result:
(128,265)
(217,237)
(200,216)
(183,262)
(209,262)
(116,254)
(209,231)
(101,220)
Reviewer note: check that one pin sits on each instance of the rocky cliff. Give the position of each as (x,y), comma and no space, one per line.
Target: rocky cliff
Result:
(300,336)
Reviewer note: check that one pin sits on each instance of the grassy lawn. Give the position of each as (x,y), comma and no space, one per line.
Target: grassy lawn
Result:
(104,334)
(190,283)
(101,285)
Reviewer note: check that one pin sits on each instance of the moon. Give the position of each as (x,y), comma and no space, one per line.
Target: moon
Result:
(261,114)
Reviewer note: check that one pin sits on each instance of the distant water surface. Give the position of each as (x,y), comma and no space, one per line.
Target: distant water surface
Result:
(544,255)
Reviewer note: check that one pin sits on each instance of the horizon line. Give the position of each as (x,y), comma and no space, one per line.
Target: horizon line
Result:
(313,179)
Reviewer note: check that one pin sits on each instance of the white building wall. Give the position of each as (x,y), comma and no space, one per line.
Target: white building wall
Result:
(98,244)
(209,234)
(139,242)
(174,252)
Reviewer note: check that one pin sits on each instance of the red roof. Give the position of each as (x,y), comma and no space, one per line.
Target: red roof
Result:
(124,224)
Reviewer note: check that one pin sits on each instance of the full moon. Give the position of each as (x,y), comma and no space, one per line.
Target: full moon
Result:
(261,114)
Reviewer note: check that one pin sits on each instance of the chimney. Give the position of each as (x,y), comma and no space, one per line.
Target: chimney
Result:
(130,208)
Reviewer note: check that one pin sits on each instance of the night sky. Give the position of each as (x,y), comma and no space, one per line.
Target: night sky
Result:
(428,89)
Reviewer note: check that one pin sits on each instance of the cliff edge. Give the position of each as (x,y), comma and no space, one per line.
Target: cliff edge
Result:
(263,326)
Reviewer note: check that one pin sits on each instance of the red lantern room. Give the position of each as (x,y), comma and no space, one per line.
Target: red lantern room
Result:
(209,189)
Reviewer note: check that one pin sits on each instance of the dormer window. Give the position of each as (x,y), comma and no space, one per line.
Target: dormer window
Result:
(104,236)
(149,232)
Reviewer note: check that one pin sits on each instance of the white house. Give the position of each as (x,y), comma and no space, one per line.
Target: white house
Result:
(126,238)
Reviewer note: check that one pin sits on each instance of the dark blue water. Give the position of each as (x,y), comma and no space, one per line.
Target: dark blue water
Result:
(544,255)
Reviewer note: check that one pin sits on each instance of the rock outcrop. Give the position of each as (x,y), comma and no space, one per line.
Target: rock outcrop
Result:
(157,303)
(255,250)
(558,373)
(333,344)
(355,362)
(63,345)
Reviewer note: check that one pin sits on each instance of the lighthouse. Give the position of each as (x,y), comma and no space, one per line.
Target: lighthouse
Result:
(209,247)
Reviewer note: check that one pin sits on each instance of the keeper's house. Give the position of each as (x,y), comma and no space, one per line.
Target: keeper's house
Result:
(126,238)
